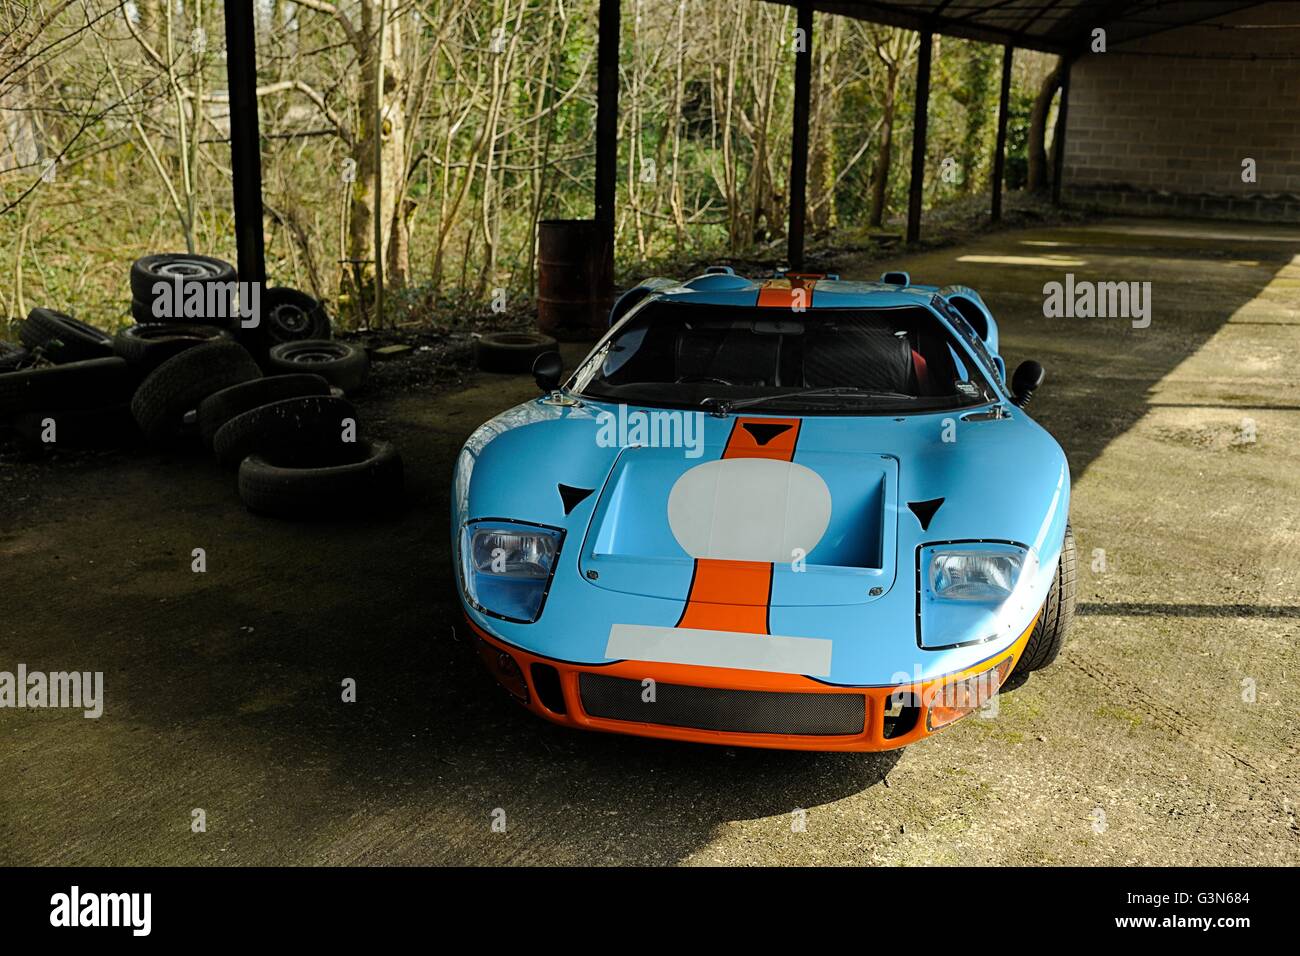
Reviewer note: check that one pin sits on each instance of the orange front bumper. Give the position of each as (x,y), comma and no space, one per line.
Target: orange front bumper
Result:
(550,689)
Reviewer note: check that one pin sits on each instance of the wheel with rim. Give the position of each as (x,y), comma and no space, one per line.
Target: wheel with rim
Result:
(511,352)
(187,269)
(61,338)
(1048,636)
(339,363)
(288,315)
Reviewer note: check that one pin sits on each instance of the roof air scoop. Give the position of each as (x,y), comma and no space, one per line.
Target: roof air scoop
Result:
(896,278)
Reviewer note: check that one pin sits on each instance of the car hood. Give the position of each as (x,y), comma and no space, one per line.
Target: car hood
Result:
(840,519)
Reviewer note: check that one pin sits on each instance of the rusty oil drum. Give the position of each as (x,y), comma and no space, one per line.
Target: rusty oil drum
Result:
(575,282)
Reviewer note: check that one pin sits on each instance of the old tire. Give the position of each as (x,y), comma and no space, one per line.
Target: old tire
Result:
(145,347)
(373,483)
(289,315)
(167,267)
(298,432)
(1048,636)
(63,338)
(341,364)
(94,383)
(181,383)
(220,407)
(12,357)
(111,426)
(511,352)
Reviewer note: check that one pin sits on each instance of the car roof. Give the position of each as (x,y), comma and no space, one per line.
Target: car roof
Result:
(829,292)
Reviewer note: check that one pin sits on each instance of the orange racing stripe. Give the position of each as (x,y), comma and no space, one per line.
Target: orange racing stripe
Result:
(734,595)
(792,291)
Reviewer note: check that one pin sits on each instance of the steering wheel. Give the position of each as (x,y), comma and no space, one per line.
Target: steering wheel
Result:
(688,379)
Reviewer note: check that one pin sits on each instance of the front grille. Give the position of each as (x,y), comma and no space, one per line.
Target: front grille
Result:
(733,711)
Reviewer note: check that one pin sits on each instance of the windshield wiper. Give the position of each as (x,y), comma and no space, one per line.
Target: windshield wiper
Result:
(722,406)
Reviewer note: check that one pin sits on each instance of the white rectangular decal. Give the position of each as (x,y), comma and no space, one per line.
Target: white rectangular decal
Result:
(749,652)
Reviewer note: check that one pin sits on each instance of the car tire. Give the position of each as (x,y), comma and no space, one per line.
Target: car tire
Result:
(220,407)
(145,347)
(339,363)
(62,338)
(111,426)
(91,384)
(12,357)
(373,483)
(181,383)
(166,267)
(511,352)
(1048,636)
(298,432)
(288,315)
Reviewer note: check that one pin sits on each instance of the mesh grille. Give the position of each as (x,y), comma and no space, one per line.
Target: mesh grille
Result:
(734,711)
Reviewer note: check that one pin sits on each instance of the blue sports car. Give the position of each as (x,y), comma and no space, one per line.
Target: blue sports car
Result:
(795,512)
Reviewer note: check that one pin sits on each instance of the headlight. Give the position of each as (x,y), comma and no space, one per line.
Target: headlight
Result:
(976,575)
(506,566)
(972,591)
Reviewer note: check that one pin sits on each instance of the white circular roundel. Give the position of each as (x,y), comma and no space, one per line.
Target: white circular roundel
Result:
(749,509)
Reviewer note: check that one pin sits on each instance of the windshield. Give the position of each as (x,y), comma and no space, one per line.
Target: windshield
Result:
(884,360)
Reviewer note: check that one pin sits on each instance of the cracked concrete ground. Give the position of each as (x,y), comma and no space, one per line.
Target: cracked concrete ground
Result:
(1166,733)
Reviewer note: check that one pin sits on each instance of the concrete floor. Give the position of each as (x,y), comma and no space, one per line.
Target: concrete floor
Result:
(1136,747)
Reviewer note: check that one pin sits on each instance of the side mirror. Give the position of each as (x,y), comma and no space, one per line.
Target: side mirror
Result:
(547,371)
(1026,379)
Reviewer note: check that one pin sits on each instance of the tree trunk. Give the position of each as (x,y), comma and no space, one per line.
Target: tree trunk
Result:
(884,154)
(1039,174)
(390,172)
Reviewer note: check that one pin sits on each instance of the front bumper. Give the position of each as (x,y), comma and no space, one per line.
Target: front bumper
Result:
(715,705)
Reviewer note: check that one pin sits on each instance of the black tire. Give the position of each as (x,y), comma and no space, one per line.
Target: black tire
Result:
(220,407)
(373,483)
(181,383)
(145,347)
(1048,636)
(288,315)
(511,352)
(297,432)
(339,363)
(63,338)
(80,428)
(94,383)
(167,267)
(12,357)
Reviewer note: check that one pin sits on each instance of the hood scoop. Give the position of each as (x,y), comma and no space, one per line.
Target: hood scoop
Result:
(925,510)
(823,529)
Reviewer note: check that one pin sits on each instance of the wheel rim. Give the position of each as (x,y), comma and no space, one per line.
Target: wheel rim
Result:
(313,355)
(290,319)
(188,269)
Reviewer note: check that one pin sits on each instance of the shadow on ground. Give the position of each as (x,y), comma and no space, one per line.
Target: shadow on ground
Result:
(224,689)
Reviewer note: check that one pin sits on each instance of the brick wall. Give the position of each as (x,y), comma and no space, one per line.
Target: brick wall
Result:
(1151,132)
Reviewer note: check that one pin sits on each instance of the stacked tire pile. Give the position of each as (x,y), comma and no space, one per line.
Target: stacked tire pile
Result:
(267,397)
